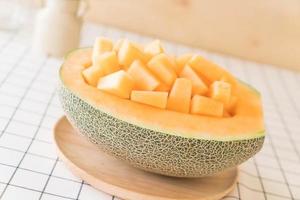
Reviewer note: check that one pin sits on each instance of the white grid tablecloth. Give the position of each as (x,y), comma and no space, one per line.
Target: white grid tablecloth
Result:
(30,169)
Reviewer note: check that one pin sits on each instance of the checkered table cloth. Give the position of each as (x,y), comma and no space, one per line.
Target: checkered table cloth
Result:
(30,169)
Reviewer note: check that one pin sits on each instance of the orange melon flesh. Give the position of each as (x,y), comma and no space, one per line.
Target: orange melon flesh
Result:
(209,70)
(163,87)
(152,98)
(91,75)
(174,66)
(101,45)
(182,60)
(229,107)
(153,48)
(128,52)
(117,83)
(247,121)
(105,64)
(117,45)
(220,91)
(226,113)
(180,95)
(143,78)
(161,66)
(206,106)
(199,87)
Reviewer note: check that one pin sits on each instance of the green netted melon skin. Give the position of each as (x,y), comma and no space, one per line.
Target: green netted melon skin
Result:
(154,151)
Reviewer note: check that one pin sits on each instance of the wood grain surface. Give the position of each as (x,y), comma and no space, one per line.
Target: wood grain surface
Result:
(264,31)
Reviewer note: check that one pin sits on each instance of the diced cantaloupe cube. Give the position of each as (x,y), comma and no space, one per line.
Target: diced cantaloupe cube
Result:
(181,61)
(91,75)
(118,83)
(143,78)
(105,63)
(129,52)
(209,70)
(230,106)
(206,106)
(101,45)
(199,87)
(220,91)
(117,45)
(163,87)
(172,59)
(153,48)
(226,113)
(180,95)
(152,98)
(161,66)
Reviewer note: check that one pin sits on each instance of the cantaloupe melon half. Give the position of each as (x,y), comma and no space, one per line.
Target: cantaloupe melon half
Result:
(159,140)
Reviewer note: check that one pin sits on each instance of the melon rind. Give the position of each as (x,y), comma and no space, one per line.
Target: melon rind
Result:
(152,150)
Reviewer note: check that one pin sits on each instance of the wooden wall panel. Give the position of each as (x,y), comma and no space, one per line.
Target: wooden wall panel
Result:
(262,30)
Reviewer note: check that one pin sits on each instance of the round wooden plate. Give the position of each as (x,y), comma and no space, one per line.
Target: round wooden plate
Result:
(117,178)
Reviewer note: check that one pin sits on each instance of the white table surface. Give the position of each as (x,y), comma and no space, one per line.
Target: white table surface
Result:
(30,169)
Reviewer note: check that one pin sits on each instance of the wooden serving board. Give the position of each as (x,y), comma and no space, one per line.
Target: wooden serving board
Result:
(122,180)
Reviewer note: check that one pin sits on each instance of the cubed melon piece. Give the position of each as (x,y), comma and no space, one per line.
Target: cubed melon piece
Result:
(101,45)
(129,52)
(91,75)
(118,83)
(199,87)
(143,78)
(161,66)
(221,91)
(230,106)
(105,63)
(153,48)
(117,45)
(172,59)
(152,98)
(209,70)
(181,61)
(226,113)
(180,95)
(163,87)
(206,106)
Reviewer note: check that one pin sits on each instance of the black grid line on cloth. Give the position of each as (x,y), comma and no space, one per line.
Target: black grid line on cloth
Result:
(238,190)
(80,189)
(42,173)
(34,154)
(27,137)
(29,98)
(269,179)
(48,179)
(27,110)
(34,190)
(26,123)
(270,193)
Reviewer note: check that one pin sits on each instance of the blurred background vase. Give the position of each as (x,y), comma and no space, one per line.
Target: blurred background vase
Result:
(57,27)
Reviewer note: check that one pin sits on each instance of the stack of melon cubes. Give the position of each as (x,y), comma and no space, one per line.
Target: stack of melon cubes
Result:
(146,74)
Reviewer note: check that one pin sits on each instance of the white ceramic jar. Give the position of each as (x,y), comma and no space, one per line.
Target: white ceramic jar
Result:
(57,27)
